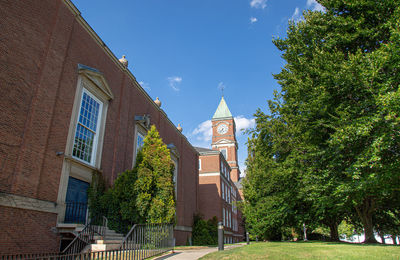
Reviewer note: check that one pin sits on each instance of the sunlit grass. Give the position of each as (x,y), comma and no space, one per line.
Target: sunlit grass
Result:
(308,250)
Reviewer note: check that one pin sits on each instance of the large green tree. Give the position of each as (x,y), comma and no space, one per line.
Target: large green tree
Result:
(339,111)
(155,201)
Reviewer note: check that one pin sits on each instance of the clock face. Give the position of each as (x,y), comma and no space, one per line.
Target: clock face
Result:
(222,129)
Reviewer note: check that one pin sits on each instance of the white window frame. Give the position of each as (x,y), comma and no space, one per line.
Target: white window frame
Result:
(96,133)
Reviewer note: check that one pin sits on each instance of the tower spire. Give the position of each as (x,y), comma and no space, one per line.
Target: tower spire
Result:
(222,110)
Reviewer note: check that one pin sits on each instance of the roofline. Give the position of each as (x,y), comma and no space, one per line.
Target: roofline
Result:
(107,50)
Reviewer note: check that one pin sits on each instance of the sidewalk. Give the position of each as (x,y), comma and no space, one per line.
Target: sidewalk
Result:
(192,254)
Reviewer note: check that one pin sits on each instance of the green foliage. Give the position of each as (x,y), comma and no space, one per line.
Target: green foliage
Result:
(95,192)
(205,232)
(155,201)
(329,148)
(346,230)
(144,194)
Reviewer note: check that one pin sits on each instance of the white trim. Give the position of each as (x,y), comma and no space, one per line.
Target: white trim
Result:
(209,174)
(183,228)
(231,143)
(199,164)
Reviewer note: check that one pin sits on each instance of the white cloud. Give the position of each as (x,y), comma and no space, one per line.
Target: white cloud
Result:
(259,4)
(296,16)
(243,123)
(144,85)
(174,82)
(203,131)
(315,6)
(253,19)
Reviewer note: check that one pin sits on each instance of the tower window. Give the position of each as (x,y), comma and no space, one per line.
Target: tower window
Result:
(224,153)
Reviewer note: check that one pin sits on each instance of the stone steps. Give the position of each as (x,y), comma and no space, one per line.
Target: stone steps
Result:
(112,240)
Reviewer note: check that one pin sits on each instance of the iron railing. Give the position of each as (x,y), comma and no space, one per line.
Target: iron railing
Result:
(75,212)
(29,256)
(101,255)
(147,240)
(143,241)
(86,236)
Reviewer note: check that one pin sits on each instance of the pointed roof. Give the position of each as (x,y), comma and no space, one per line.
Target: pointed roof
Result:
(222,110)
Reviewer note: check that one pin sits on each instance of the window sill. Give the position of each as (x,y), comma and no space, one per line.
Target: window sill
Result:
(74,160)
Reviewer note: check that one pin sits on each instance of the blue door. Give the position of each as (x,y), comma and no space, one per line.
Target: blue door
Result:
(76,201)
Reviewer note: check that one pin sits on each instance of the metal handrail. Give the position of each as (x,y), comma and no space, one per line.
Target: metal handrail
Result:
(75,212)
(86,236)
(128,235)
(145,240)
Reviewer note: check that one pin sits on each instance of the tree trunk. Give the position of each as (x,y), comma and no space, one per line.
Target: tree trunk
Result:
(383,238)
(334,232)
(365,212)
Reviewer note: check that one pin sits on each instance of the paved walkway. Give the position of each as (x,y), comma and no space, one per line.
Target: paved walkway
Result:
(192,254)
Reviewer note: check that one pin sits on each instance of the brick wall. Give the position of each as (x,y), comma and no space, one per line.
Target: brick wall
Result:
(27,231)
(41,45)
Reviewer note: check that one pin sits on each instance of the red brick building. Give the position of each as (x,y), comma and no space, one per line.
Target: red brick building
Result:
(70,108)
(219,175)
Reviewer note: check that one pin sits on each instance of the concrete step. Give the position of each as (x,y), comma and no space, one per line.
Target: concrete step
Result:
(69,228)
(103,247)
(108,241)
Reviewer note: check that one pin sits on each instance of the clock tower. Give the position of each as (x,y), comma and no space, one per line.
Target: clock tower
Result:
(224,137)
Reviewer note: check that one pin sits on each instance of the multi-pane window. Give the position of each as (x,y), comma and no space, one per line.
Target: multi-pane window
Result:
(87,128)
(223,190)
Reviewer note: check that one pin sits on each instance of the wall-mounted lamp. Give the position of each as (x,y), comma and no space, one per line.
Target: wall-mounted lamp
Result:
(144,120)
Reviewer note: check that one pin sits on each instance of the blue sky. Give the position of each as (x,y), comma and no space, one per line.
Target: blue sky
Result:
(183,51)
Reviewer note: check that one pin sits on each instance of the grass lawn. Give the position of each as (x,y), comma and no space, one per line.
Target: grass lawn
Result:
(308,250)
